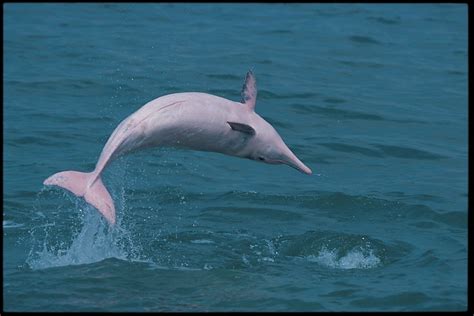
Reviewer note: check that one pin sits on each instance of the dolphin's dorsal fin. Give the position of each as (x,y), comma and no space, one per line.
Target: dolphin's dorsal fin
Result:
(249,91)
(244,128)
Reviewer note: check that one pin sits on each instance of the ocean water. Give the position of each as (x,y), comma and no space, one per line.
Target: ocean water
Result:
(373,98)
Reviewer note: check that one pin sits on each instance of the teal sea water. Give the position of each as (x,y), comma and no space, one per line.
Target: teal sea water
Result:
(373,98)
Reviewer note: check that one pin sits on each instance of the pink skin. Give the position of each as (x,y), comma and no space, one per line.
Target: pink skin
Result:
(190,120)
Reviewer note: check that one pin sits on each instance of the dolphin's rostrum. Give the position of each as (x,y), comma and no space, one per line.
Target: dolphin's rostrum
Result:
(192,120)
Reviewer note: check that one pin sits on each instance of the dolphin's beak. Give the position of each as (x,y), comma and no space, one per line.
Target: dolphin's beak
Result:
(291,160)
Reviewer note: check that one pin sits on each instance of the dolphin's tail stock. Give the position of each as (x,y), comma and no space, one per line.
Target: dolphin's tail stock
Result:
(88,185)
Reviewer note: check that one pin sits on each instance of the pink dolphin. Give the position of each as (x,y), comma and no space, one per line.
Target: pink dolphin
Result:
(193,120)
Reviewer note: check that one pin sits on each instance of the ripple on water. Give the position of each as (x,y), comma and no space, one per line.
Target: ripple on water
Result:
(339,204)
(333,113)
(337,250)
(224,76)
(352,149)
(334,100)
(217,213)
(240,249)
(364,39)
(11,224)
(66,85)
(385,20)
(385,151)
(408,298)
(407,152)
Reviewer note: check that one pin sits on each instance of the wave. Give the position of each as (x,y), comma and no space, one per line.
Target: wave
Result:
(215,213)
(264,94)
(385,20)
(408,153)
(335,113)
(224,76)
(352,149)
(248,251)
(362,64)
(385,151)
(67,86)
(278,31)
(34,140)
(89,239)
(56,245)
(339,204)
(11,224)
(70,119)
(406,298)
(364,39)
(334,100)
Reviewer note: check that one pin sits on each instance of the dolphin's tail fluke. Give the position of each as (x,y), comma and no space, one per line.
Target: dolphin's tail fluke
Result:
(89,186)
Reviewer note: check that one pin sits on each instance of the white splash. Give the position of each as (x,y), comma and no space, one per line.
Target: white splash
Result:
(11,224)
(354,259)
(95,242)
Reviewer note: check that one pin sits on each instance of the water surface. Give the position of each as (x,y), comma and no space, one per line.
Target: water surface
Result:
(373,98)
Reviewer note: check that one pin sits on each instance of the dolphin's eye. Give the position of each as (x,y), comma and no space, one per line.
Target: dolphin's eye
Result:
(261,158)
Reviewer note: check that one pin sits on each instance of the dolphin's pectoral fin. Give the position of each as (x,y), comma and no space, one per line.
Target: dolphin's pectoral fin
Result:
(249,91)
(244,128)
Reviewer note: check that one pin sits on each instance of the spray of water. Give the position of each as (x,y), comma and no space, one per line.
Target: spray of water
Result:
(93,240)
(356,258)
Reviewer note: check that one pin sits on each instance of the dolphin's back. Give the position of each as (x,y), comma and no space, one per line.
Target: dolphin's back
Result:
(192,120)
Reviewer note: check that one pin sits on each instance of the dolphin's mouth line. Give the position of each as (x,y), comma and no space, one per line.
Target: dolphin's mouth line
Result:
(276,161)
